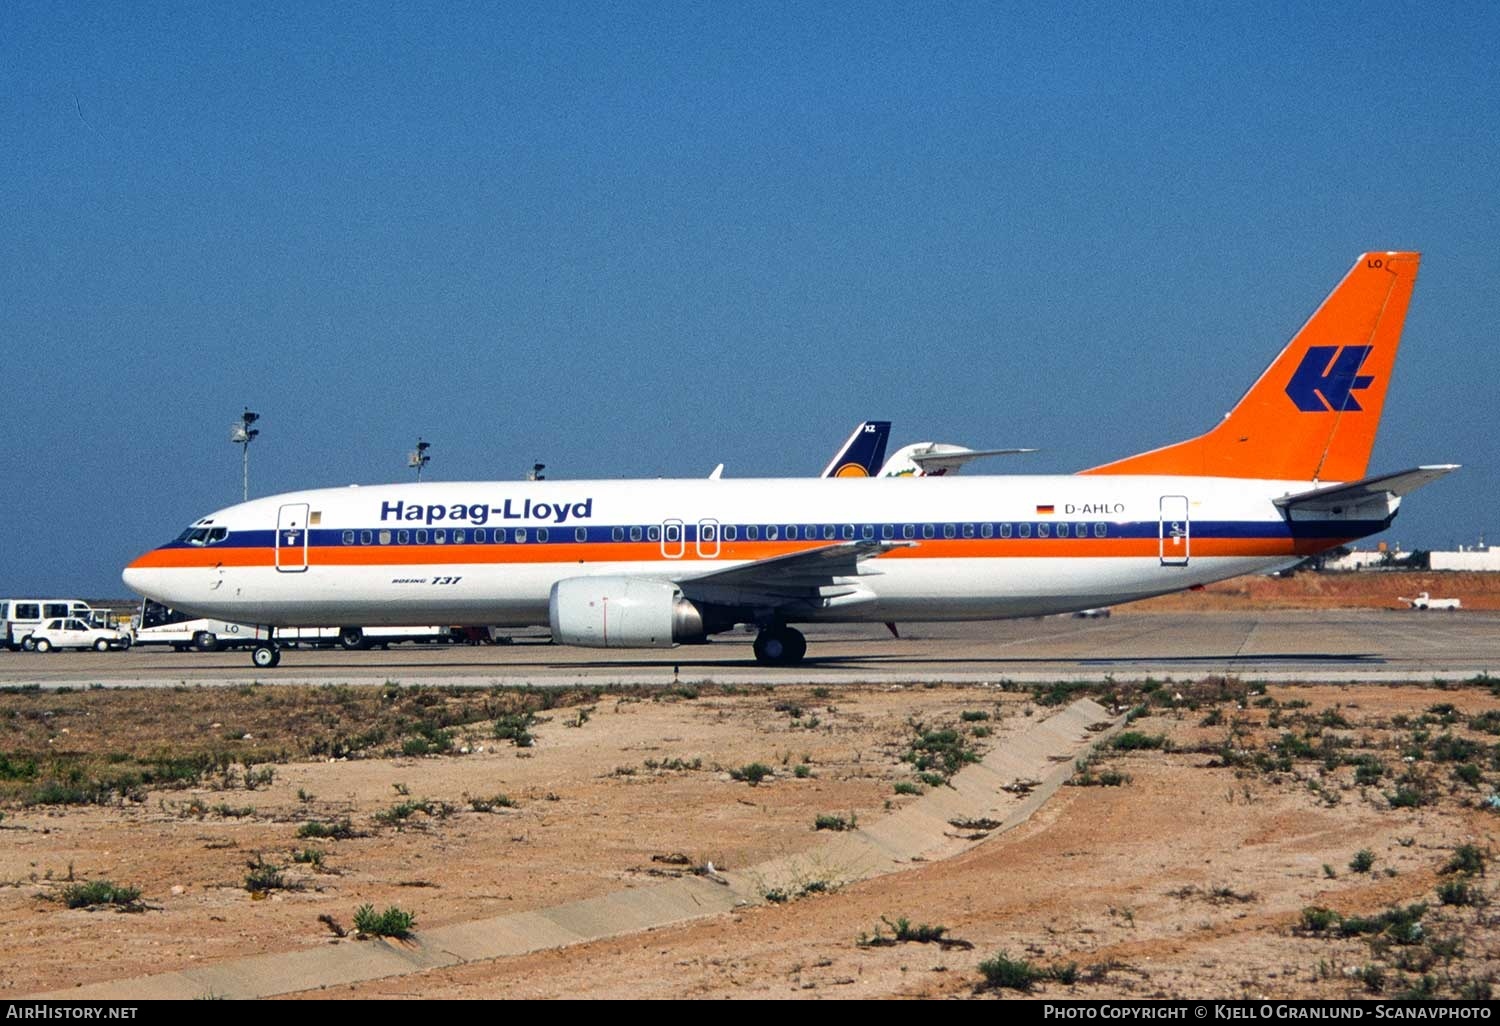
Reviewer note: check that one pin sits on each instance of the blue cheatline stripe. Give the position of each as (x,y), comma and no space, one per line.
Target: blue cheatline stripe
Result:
(599,534)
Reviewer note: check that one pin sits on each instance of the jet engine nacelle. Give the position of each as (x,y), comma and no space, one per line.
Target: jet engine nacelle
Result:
(621,612)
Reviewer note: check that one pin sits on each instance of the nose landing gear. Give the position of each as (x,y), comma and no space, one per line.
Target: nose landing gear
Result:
(266,654)
(780,645)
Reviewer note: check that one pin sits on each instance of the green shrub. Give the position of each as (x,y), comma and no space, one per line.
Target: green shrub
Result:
(393,922)
(752,773)
(922,934)
(1317,919)
(1467,858)
(339,831)
(1012,973)
(1362,861)
(827,821)
(264,876)
(88,893)
(1135,740)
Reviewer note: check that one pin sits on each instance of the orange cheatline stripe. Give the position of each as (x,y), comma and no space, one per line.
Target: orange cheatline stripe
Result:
(650,552)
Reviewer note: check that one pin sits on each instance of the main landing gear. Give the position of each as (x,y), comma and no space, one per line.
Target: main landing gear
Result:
(780,645)
(266,654)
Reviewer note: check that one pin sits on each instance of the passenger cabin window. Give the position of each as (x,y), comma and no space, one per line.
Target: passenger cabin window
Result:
(1041,530)
(887,531)
(1100,530)
(868,531)
(499,536)
(421,536)
(385,537)
(1024,531)
(403,537)
(791,532)
(752,532)
(459,536)
(348,537)
(848,532)
(771,532)
(986,530)
(653,533)
(580,534)
(908,530)
(927,531)
(479,535)
(948,531)
(635,534)
(541,534)
(365,537)
(731,532)
(617,534)
(520,535)
(440,536)
(1062,530)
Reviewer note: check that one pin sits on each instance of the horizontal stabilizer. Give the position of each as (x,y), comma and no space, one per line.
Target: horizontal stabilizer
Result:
(1334,498)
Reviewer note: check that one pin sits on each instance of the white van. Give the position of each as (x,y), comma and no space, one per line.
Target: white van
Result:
(20,618)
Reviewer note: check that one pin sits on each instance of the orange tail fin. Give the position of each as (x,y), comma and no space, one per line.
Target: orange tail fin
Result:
(1312,415)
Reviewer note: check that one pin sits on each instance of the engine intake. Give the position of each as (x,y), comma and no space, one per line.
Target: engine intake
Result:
(622,612)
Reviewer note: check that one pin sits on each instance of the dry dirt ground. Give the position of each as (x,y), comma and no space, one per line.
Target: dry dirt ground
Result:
(1364,590)
(1233,812)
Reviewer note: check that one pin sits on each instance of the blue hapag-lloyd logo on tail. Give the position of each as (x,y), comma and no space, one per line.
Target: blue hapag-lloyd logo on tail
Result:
(1325,382)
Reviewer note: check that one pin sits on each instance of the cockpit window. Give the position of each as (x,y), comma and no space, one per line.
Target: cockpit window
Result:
(204,535)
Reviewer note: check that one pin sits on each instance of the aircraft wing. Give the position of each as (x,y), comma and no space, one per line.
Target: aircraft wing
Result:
(821,575)
(1384,489)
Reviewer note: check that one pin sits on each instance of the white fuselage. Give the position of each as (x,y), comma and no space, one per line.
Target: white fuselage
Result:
(489,552)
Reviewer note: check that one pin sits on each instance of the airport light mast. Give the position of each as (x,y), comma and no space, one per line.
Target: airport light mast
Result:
(242,434)
(418,457)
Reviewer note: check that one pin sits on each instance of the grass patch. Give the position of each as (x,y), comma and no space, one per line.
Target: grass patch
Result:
(828,821)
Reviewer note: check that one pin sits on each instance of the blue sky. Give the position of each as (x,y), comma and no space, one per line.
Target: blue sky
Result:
(641,239)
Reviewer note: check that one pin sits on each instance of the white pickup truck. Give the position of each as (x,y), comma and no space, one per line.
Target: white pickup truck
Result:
(1424,602)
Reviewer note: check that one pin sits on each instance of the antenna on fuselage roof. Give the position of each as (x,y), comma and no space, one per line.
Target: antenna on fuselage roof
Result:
(535,473)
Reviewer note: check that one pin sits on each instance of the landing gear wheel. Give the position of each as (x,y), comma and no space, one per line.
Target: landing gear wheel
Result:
(780,646)
(353,639)
(265,656)
(203,641)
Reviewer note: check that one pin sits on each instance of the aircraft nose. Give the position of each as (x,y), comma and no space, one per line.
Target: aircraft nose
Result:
(135,575)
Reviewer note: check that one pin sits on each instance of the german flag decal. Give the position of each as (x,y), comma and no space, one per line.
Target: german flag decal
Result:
(1046,510)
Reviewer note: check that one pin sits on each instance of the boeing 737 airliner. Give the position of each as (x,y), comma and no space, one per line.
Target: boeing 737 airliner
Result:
(656,563)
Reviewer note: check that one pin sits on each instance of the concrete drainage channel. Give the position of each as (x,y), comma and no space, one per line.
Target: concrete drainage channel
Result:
(1006,787)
